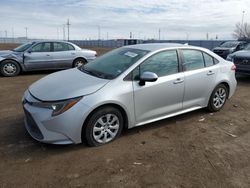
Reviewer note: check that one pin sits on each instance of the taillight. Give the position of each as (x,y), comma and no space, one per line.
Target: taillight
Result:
(233,67)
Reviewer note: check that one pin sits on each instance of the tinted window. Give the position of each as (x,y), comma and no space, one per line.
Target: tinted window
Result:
(70,47)
(193,59)
(41,47)
(209,61)
(163,63)
(59,46)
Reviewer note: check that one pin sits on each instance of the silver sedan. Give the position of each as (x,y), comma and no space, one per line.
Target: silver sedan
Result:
(125,88)
(43,55)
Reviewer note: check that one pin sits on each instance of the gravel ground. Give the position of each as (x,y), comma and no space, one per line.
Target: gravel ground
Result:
(197,149)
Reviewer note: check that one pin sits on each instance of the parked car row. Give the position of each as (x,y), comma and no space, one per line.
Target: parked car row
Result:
(237,52)
(43,55)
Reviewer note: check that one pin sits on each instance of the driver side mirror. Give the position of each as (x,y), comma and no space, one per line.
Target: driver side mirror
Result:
(147,77)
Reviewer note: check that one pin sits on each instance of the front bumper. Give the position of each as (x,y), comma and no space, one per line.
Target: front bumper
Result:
(65,128)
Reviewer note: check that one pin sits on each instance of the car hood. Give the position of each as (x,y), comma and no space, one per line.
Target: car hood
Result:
(5,52)
(242,53)
(66,84)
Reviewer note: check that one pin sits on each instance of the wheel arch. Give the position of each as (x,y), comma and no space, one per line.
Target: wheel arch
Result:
(80,57)
(10,59)
(119,107)
(227,86)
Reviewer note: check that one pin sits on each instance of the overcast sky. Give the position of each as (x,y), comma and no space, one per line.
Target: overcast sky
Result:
(176,19)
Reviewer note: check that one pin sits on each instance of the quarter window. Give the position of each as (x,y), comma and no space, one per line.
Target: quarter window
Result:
(209,61)
(41,47)
(162,63)
(193,59)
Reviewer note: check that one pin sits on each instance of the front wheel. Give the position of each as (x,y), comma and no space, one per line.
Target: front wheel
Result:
(218,98)
(104,126)
(9,68)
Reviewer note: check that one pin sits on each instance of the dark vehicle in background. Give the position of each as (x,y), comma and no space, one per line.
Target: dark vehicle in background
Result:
(242,60)
(229,47)
(43,55)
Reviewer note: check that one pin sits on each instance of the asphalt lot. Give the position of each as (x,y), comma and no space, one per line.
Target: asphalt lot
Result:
(197,149)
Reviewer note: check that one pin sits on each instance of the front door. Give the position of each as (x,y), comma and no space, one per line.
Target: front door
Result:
(39,57)
(154,100)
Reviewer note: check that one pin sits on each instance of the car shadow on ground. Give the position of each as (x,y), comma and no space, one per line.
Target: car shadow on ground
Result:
(17,142)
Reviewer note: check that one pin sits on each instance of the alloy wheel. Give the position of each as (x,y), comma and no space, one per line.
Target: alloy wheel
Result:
(219,97)
(106,128)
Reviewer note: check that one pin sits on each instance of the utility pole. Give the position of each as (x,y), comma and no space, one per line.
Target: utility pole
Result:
(26,32)
(13,35)
(63,31)
(107,35)
(68,24)
(130,35)
(159,34)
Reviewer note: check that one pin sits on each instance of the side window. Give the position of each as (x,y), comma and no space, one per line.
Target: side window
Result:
(162,63)
(209,61)
(59,46)
(70,47)
(216,61)
(193,59)
(41,47)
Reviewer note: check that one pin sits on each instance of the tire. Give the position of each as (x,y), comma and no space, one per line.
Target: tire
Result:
(9,68)
(79,62)
(103,126)
(218,98)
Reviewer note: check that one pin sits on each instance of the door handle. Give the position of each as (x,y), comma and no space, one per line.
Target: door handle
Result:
(210,73)
(47,55)
(73,53)
(178,80)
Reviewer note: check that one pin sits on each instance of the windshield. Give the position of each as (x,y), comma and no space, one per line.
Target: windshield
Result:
(23,47)
(229,44)
(112,64)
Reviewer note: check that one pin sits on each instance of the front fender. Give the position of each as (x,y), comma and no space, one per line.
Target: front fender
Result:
(2,58)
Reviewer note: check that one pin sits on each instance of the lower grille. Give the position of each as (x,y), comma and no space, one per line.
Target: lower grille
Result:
(32,126)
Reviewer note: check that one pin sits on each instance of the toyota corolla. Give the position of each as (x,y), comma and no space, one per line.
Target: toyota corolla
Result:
(127,87)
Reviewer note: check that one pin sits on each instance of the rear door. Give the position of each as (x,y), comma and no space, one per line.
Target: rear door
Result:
(200,73)
(63,54)
(39,57)
(164,96)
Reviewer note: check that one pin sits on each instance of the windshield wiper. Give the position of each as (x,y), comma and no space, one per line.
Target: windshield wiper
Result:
(96,73)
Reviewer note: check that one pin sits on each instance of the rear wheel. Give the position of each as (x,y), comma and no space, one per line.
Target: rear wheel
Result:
(218,98)
(9,68)
(104,126)
(79,62)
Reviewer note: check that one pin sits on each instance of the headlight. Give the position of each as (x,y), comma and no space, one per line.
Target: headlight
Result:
(58,107)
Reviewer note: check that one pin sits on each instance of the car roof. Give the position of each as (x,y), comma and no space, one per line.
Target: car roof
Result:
(38,41)
(155,46)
